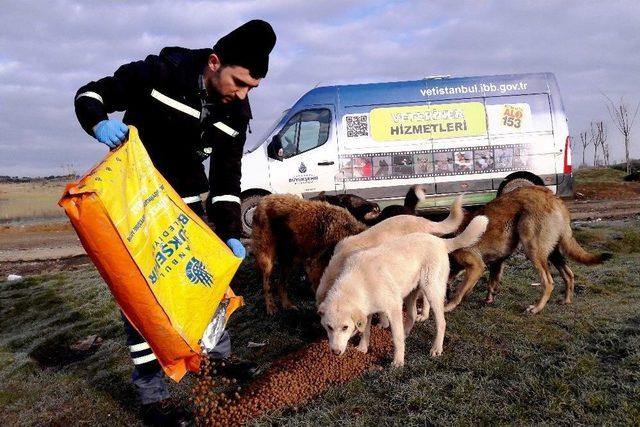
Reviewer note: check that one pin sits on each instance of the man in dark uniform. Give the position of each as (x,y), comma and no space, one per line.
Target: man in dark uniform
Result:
(188,105)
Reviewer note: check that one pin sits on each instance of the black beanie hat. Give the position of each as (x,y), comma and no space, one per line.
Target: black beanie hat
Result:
(248,46)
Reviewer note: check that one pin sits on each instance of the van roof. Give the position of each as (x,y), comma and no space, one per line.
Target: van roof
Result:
(431,89)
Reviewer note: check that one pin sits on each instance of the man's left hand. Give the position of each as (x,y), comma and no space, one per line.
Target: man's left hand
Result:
(236,246)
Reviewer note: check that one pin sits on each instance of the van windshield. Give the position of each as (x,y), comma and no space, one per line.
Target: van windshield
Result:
(258,142)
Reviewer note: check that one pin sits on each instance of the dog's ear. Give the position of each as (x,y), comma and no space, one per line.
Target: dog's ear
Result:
(321,310)
(359,319)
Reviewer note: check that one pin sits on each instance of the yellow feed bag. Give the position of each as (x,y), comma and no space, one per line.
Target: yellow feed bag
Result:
(165,267)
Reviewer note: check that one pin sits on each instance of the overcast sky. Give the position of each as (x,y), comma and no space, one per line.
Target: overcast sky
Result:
(49,49)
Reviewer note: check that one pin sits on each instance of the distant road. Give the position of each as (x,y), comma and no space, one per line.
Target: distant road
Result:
(610,209)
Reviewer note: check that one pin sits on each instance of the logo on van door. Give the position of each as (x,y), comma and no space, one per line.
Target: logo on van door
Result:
(303,178)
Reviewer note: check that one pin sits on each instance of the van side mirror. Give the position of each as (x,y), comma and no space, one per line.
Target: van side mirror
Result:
(274,149)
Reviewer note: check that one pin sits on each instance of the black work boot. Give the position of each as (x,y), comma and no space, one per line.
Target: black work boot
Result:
(165,413)
(232,367)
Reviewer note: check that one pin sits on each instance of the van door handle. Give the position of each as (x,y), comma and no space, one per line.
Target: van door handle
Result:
(325,163)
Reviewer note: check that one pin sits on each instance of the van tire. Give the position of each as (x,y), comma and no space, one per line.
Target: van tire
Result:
(247,207)
(512,184)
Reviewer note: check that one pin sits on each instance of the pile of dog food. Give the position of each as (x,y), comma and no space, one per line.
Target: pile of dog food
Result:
(288,383)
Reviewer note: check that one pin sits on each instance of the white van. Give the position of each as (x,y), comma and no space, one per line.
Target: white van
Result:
(477,135)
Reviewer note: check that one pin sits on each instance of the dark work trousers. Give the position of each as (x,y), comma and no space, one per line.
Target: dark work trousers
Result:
(148,377)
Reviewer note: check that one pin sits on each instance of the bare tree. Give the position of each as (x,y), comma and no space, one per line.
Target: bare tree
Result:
(599,139)
(69,169)
(584,140)
(602,139)
(593,138)
(623,120)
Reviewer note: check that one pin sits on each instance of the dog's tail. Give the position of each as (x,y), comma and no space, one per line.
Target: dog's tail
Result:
(415,194)
(470,235)
(452,222)
(570,247)
(420,192)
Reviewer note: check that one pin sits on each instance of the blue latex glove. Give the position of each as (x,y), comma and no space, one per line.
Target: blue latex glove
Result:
(237,248)
(111,132)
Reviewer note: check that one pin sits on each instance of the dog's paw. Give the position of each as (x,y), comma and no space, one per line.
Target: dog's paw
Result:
(407,327)
(384,321)
(436,351)
(362,347)
(397,363)
(450,306)
(565,302)
(490,299)
(422,317)
(271,309)
(532,309)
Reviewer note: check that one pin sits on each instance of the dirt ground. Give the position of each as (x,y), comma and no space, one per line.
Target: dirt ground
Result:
(36,248)
(52,245)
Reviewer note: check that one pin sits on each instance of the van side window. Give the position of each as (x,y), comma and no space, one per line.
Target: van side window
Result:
(305,131)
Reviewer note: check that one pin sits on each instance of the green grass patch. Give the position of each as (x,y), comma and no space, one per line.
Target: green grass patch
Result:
(616,239)
(599,175)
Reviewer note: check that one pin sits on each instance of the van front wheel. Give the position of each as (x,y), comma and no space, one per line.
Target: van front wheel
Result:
(512,184)
(247,207)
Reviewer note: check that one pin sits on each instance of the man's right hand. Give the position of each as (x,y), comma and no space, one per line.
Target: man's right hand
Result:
(111,132)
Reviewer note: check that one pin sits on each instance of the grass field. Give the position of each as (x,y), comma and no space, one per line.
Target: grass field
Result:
(601,174)
(577,364)
(27,201)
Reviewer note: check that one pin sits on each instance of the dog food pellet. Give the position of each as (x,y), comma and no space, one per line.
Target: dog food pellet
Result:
(289,383)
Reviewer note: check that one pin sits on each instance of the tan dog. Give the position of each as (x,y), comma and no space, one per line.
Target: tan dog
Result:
(378,279)
(538,220)
(294,231)
(388,229)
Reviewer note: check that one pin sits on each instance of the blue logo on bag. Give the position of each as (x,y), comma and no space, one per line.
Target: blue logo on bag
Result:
(197,273)
(302,168)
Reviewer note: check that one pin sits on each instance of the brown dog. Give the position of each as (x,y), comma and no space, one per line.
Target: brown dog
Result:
(362,209)
(369,212)
(293,231)
(534,217)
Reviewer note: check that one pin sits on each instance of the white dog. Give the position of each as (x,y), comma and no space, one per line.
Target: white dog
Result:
(378,279)
(388,229)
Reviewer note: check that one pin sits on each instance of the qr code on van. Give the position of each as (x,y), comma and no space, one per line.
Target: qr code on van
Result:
(357,126)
